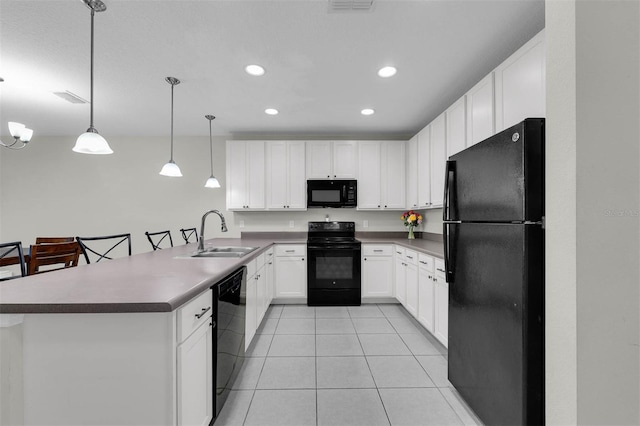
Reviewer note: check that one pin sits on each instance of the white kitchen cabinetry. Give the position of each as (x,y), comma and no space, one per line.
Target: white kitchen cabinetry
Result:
(411,280)
(480,111)
(406,279)
(520,84)
(332,159)
(441,292)
(456,134)
(424,168)
(291,271)
(377,270)
(286,182)
(270,277)
(399,276)
(438,159)
(382,175)
(245,175)
(426,301)
(256,296)
(412,173)
(194,358)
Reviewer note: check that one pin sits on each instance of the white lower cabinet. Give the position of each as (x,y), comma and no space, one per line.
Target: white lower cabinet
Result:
(411,277)
(269,268)
(426,301)
(251,324)
(441,296)
(255,296)
(291,271)
(194,358)
(377,270)
(400,283)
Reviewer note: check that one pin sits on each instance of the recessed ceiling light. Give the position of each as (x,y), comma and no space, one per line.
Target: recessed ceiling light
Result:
(255,70)
(367,111)
(271,111)
(387,72)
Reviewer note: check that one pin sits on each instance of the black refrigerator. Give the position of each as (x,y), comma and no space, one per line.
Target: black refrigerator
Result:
(494,259)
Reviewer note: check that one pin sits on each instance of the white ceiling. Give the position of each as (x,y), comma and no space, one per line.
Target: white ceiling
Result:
(321,66)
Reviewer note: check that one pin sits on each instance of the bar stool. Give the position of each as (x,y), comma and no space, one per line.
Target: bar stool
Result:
(53,240)
(65,254)
(188,233)
(157,238)
(12,254)
(102,246)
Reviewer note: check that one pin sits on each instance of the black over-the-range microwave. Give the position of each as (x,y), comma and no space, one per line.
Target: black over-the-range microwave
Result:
(332,193)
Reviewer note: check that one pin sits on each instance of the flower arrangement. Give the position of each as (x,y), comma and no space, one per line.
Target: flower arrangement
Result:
(411,219)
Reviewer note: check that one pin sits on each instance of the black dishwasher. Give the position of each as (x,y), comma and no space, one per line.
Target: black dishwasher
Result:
(229,315)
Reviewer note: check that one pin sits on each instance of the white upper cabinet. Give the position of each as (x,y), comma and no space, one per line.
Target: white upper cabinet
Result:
(424,168)
(480,111)
(520,84)
(393,174)
(412,173)
(381,184)
(286,182)
(345,159)
(332,159)
(438,159)
(245,175)
(456,135)
(369,182)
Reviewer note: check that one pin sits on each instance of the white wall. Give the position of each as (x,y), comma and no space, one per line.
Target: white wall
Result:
(593,200)
(48,190)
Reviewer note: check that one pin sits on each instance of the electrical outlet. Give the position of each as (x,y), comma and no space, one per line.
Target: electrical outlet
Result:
(365,223)
(291,224)
(242,224)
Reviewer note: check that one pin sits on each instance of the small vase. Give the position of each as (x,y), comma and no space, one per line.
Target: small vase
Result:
(411,236)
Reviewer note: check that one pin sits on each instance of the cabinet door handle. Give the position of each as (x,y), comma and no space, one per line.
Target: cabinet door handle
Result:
(378,251)
(365,259)
(438,269)
(204,311)
(270,263)
(303,259)
(212,324)
(289,251)
(328,176)
(423,262)
(409,257)
(430,277)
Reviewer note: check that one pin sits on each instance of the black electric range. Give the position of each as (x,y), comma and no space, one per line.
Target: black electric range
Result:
(333,274)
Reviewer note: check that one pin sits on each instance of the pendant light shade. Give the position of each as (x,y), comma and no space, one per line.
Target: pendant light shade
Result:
(171,169)
(91,142)
(212,182)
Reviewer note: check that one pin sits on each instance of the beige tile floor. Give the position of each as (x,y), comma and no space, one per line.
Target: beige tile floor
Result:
(363,365)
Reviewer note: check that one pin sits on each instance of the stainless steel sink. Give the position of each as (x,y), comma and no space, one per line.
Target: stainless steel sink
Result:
(229,251)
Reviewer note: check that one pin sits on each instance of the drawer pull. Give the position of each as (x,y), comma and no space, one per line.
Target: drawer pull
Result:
(289,251)
(438,269)
(423,262)
(378,251)
(409,257)
(204,311)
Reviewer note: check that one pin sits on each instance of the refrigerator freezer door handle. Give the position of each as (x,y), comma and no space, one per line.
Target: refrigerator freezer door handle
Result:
(449,176)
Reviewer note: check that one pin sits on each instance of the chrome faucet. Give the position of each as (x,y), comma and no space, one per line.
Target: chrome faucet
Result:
(223,228)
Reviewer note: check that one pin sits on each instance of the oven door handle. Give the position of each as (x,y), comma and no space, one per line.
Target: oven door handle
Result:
(333,247)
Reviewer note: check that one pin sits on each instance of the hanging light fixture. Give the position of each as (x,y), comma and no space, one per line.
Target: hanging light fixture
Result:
(212,182)
(171,169)
(91,142)
(20,134)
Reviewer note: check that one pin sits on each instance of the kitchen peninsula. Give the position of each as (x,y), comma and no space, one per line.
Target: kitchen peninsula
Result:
(101,343)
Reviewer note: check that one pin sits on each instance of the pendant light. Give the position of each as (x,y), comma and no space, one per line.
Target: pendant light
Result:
(91,142)
(212,182)
(171,169)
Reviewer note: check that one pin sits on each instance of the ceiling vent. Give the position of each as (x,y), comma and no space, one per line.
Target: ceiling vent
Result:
(350,5)
(71,97)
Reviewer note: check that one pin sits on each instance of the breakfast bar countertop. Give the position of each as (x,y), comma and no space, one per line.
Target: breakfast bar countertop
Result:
(158,281)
